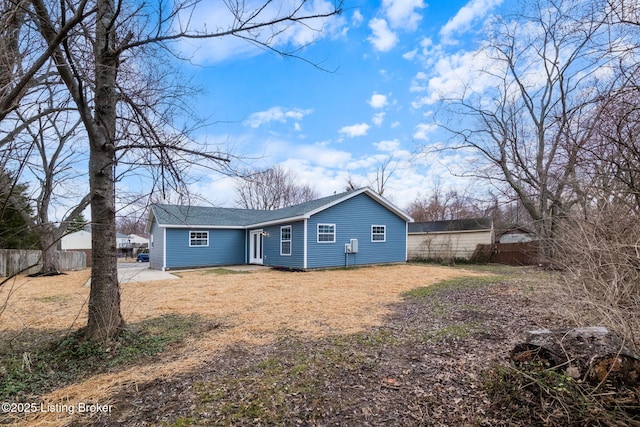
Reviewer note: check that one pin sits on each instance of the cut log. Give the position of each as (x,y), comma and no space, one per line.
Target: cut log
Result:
(591,354)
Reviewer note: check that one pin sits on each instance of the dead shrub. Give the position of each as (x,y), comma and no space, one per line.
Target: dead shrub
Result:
(534,393)
(601,259)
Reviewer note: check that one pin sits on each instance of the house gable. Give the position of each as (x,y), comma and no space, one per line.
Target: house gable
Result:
(353,219)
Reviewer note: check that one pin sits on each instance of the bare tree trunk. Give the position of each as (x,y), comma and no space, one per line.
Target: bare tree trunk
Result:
(96,94)
(105,318)
(48,245)
(11,20)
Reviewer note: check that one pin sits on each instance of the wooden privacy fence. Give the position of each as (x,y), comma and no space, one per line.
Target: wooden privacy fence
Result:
(19,261)
(525,253)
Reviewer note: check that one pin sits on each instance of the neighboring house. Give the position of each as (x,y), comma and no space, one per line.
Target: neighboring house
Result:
(78,241)
(81,241)
(516,234)
(352,228)
(132,241)
(130,244)
(448,239)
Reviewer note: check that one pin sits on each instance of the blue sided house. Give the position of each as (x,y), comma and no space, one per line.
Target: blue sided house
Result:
(353,228)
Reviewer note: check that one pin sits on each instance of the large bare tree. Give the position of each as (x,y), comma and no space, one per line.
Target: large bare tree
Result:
(442,205)
(97,49)
(272,188)
(48,153)
(545,66)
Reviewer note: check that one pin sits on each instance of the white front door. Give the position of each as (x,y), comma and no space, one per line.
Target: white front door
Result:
(255,247)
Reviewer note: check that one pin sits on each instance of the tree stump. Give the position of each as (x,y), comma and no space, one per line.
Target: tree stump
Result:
(591,354)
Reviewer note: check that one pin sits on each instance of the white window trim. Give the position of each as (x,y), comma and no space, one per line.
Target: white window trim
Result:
(318,233)
(193,238)
(289,240)
(384,234)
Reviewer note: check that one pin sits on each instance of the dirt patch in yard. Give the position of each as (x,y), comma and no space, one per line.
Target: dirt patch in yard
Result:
(254,311)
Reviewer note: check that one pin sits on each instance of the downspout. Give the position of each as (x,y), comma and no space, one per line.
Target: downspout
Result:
(406,241)
(304,246)
(164,248)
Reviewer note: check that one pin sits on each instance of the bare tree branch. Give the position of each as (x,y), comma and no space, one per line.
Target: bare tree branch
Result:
(272,188)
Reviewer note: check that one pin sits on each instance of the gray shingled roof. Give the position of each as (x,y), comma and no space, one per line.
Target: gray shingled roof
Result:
(472,224)
(231,217)
(201,215)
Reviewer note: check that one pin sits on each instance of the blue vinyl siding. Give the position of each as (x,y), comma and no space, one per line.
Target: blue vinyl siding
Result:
(226,247)
(271,243)
(353,219)
(156,247)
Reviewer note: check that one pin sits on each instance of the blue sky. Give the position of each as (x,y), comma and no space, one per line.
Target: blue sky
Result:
(388,62)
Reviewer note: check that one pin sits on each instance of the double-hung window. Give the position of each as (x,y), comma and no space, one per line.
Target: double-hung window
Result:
(378,233)
(199,238)
(326,233)
(285,240)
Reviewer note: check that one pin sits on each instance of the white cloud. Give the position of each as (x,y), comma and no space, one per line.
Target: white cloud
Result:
(423,130)
(391,145)
(216,50)
(378,118)
(377,100)
(469,13)
(426,43)
(418,82)
(357,18)
(456,75)
(220,191)
(409,56)
(395,15)
(359,129)
(276,114)
(402,13)
(321,153)
(323,156)
(429,52)
(327,169)
(365,163)
(308,30)
(382,38)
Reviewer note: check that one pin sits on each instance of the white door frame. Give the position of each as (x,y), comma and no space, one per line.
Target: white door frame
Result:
(256,250)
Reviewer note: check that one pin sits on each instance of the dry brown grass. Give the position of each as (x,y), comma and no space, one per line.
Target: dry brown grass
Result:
(253,309)
(56,302)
